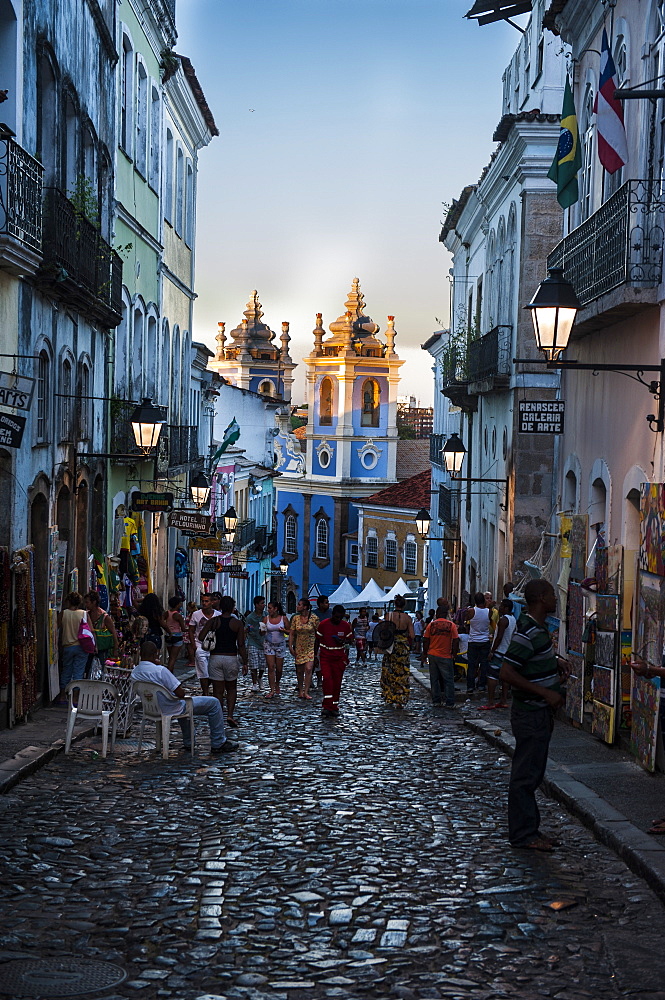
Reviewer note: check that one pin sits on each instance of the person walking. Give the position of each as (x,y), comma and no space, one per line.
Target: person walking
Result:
(333,640)
(74,658)
(103,626)
(226,656)
(440,646)
(302,644)
(535,673)
(360,626)
(255,642)
(150,669)
(374,621)
(418,632)
(277,628)
(201,656)
(175,631)
(502,637)
(395,669)
(478,622)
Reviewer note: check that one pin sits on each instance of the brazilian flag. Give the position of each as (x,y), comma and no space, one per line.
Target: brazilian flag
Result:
(568,157)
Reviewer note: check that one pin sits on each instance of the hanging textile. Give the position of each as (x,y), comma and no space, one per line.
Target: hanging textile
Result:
(101,579)
(25,631)
(143,549)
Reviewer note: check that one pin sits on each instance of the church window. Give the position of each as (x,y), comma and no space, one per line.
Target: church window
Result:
(324,459)
(372,551)
(370,404)
(391,555)
(266,388)
(321,538)
(290,535)
(410,558)
(326,402)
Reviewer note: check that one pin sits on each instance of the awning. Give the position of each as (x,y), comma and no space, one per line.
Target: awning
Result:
(487,11)
(345,593)
(401,589)
(372,596)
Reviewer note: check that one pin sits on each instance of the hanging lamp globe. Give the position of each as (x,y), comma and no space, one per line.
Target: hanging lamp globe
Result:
(554,309)
(147,421)
(422,521)
(230,520)
(453,453)
(200,489)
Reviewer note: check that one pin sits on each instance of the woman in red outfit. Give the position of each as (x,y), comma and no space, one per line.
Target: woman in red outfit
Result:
(333,638)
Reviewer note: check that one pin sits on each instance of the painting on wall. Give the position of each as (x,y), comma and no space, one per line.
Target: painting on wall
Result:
(644,704)
(575,609)
(652,528)
(578,552)
(604,649)
(650,616)
(626,677)
(602,722)
(575,688)
(607,612)
(603,684)
(601,565)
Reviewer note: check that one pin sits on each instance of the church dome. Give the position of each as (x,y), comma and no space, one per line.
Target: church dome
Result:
(362,327)
(255,332)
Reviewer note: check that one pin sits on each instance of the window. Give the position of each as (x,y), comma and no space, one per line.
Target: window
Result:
(588,153)
(391,555)
(189,207)
(168,187)
(353,554)
(321,538)
(290,535)
(43,396)
(141,119)
(372,551)
(126,95)
(84,393)
(179,190)
(266,388)
(411,558)
(370,401)
(66,401)
(155,138)
(326,402)
(324,458)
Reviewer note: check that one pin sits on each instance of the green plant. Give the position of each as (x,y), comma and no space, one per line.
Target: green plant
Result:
(125,250)
(169,64)
(84,199)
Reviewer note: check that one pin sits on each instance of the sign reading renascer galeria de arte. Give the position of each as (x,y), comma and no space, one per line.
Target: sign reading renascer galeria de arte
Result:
(541,416)
(188,520)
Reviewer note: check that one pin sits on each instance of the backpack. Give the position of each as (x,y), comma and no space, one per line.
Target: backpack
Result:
(86,636)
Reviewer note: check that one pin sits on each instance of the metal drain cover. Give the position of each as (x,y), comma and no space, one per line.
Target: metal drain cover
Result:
(58,977)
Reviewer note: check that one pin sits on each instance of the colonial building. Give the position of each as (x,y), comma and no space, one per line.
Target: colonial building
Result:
(351,446)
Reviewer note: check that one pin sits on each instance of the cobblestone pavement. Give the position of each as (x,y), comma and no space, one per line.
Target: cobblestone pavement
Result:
(358,857)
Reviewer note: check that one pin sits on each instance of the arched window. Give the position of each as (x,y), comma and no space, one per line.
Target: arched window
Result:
(155,137)
(168,186)
(189,205)
(84,401)
(372,551)
(322,538)
(570,492)
(410,558)
(151,359)
(370,404)
(141,118)
(71,146)
(126,94)
(391,555)
(47,119)
(291,535)
(588,153)
(598,508)
(179,190)
(266,388)
(326,402)
(43,396)
(137,351)
(66,401)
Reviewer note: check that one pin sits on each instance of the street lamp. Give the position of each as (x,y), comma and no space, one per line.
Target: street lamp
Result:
(453,455)
(147,421)
(230,520)
(553,310)
(423,521)
(200,489)
(284,568)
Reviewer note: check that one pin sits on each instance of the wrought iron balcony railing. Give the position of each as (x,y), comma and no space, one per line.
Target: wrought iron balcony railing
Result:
(245,531)
(489,356)
(621,243)
(183,445)
(20,197)
(79,266)
(436,443)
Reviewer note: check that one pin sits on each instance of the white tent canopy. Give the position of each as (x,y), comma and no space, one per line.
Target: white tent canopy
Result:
(370,597)
(400,589)
(345,594)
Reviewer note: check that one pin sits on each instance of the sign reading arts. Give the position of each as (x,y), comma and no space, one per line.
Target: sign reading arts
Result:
(16,390)
(541,416)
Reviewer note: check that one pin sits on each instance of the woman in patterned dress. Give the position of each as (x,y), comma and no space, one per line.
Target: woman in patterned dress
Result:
(302,639)
(395,670)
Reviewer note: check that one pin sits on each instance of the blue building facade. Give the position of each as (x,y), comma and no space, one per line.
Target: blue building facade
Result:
(350,448)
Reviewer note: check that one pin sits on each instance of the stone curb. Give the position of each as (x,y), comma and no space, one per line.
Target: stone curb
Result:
(640,852)
(29,760)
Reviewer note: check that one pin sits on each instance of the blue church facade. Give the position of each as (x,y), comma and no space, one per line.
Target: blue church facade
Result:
(351,448)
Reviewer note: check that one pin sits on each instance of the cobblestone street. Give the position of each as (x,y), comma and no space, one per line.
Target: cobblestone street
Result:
(359,857)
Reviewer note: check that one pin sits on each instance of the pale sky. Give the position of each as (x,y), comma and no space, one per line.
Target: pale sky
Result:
(344,125)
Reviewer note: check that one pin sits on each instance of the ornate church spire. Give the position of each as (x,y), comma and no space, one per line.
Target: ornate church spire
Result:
(221,341)
(318,332)
(285,340)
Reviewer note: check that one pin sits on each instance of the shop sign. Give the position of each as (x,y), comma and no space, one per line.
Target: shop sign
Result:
(209,567)
(16,390)
(188,520)
(152,501)
(541,416)
(11,430)
(235,570)
(211,544)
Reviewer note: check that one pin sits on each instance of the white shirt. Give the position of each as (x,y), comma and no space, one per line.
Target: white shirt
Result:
(146,670)
(507,635)
(198,620)
(479,625)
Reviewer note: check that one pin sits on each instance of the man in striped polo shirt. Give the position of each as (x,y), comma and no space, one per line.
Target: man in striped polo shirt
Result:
(535,673)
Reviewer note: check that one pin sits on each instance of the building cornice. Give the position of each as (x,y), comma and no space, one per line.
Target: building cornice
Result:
(103,31)
(136,227)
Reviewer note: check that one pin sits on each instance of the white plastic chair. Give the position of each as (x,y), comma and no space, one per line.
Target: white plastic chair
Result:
(147,692)
(93,700)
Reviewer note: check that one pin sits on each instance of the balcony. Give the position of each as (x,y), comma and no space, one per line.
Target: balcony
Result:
(614,260)
(436,443)
(183,445)
(455,378)
(245,532)
(79,267)
(20,207)
(489,361)
(448,509)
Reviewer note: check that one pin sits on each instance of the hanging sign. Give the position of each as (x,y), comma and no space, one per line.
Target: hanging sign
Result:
(541,416)
(11,430)
(208,567)
(188,520)
(211,543)
(16,390)
(152,501)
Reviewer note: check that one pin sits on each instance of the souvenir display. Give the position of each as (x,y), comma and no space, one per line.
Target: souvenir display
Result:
(644,705)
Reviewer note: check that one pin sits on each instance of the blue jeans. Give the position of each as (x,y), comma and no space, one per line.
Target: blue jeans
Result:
(442,672)
(532,729)
(477,657)
(212,708)
(74,662)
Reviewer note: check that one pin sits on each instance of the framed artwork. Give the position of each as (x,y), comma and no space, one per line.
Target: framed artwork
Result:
(575,609)
(601,565)
(605,649)
(607,612)
(650,616)
(578,541)
(602,722)
(603,684)
(574,707)
(614,569)
(652,528)
(644,705)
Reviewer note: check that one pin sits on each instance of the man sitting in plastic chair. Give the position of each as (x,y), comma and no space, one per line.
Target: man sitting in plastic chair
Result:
(150,669)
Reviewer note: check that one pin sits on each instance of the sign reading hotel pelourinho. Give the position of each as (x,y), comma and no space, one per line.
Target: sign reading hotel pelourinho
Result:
(188,520)
(16,390)
(152,501)
(11,430)
(541,416)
